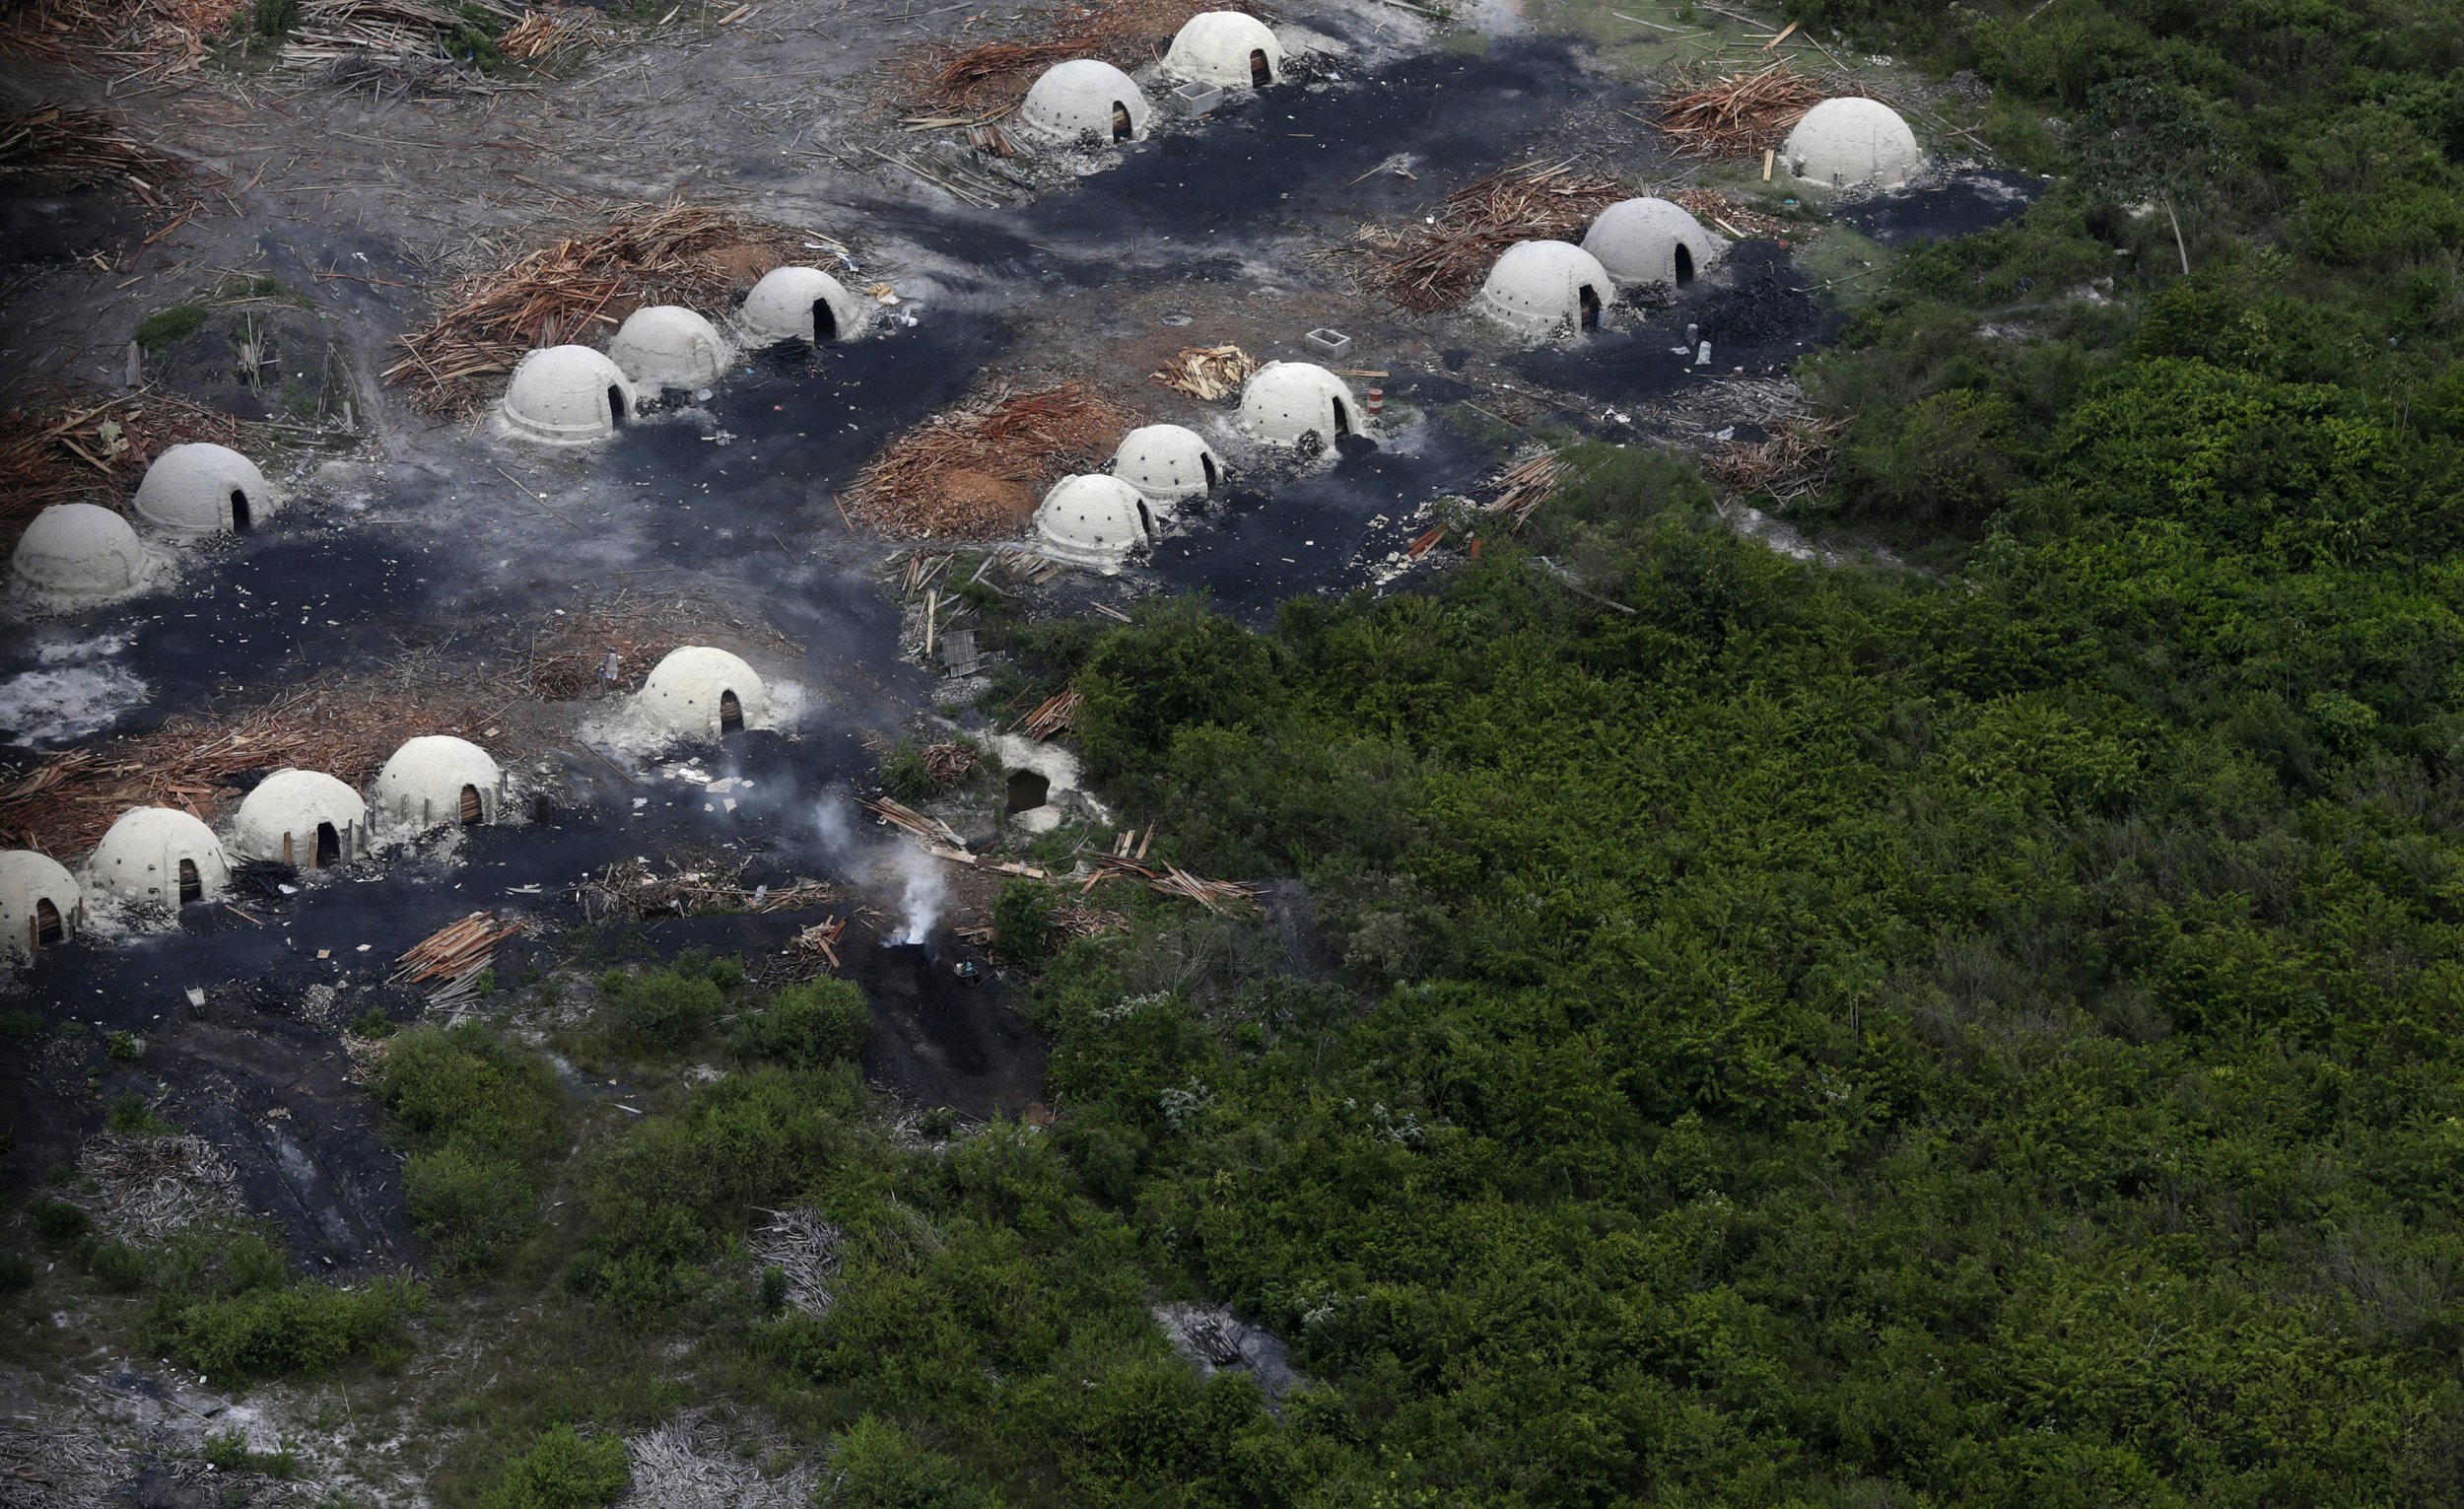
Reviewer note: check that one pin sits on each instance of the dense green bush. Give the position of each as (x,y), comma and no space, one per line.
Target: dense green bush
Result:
(1023,922)
(295,1329)
(877,1465)
(562,1470)
(485,1119)
(661,1010)
(116,1266)
(806,1026)
(58,1221)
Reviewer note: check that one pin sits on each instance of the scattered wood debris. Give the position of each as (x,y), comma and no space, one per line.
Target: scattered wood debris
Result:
(693,1460)
(803,1248)
(899,814)
(950,762)
(1740,114)
(1171,880)
(410,49)
(1207,372)
(580,289)
(54,148)
(1795,462)
(456,955)
(631,891)
(56,448)
(1709,204)
(994,75)
(822,937)
(1052,714)
(1526,485)
(1422,267)
(975,472)
(148,1186)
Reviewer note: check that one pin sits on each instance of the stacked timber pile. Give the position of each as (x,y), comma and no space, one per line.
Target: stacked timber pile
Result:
(1210,373)
(986,80)
(1052,714)
(1741,115)
(1436,265)
(976,472)
(456,956)
(580,290)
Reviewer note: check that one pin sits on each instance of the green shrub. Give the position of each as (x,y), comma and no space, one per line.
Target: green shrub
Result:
(58,1221)
(163,326)
(562,1470)
(228,1452)
(21,1024)
(129,1115)
(472,1208)
(467,1082)
(301,1327)
(274,19)
(807,1025)
(117,1266)
(1023,922)
(372,1023)
(123,1048)
(659,1011)
(903,775)
(17,1272)
(881,1467)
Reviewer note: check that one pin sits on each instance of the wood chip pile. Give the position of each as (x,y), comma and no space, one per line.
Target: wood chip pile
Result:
(1423,267)
(57,450)
(1210,373)
(930,482)
(1740,114)
(115,35)
(994,75)
(346,727)
(1796,463)
(54,148)
(578,290)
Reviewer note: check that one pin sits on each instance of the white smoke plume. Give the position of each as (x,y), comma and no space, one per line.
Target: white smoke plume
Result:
(882,867)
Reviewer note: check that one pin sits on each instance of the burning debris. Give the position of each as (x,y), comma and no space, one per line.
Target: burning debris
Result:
(1210,373)
(672,254)
(1740,114)
(987,79)
(1427,267)
(974,473)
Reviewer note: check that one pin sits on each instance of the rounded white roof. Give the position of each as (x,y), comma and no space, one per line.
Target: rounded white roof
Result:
(26,877)
(561,396)
(1283,401)
(780,306)
(138,860)
(1637,241)
(79,550)
(1093,520)
(1535,288)
(1074,101)
(187,490)
(664,345)
(422,783)
(1215,46)
(683,691)
(1851,140)
(294,802)
(1166,462)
